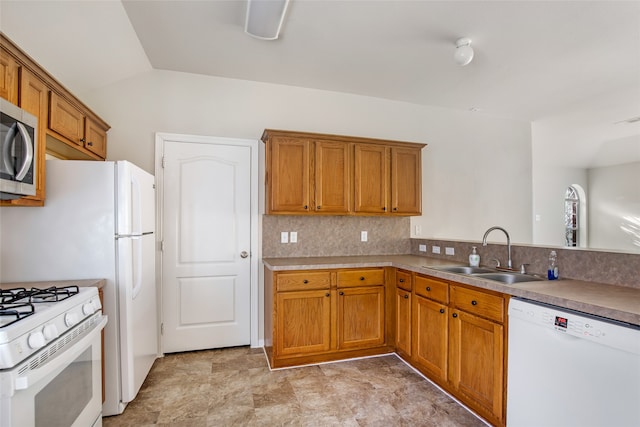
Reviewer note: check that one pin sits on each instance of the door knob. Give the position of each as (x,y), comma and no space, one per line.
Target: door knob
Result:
(244,254)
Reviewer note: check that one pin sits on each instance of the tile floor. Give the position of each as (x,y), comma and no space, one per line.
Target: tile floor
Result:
(234,387)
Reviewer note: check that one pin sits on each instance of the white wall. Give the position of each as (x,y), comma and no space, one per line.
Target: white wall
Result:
(476,169)
(614,203)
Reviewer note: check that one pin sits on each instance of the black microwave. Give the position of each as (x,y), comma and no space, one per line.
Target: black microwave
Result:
(18,148)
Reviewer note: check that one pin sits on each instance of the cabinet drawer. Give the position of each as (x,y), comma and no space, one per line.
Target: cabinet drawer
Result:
(479,303)
(436,290)
(303,280)
(403,280)
(363,277)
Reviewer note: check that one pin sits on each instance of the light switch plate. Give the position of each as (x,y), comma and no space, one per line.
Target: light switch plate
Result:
(293,236)
(284,237)
(364,236)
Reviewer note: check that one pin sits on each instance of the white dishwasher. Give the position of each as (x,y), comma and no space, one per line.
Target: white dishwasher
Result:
(571,369)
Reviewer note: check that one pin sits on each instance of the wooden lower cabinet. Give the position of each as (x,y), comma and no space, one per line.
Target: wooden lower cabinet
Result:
(314,316)
(403,322)
(459,342)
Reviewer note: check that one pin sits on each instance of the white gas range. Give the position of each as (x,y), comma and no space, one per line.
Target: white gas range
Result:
(50,356)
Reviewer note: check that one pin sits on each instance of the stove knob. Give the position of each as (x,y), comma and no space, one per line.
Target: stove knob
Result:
(36,340)
(70,319)
(50,332)
(88,309)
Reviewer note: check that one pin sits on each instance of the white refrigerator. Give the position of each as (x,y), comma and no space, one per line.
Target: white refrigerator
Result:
(98,222)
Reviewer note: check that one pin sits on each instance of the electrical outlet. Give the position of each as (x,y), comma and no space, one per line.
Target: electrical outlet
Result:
(449,251)
(435,249)
(363,236)
(293,236)
(422,248)
(284,237)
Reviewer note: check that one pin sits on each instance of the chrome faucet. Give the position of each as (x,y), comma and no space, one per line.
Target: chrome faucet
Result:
(484,243)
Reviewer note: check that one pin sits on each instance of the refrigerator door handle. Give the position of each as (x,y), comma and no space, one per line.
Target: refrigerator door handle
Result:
(136,285)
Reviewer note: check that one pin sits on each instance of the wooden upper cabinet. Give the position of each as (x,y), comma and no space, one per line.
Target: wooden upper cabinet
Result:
(310,173)
(406,180)
(332,177)
(95,137)
(289,189)
(8,77)
(371,179)
(66,120)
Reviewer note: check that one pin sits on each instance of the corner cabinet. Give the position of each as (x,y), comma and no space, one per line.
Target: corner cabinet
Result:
(67,128)
(321,174)
(315,316)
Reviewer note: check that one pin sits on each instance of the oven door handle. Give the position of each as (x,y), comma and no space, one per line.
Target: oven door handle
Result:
(61,358)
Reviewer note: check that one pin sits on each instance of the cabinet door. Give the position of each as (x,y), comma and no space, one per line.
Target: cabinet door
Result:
(289,175)
(8,77)
(430,336)
(371,179)
(96,138)
(476,362)
(66,120)
(303,322)
(403,321)
(406,177)
(332,182)
(33,99)
(360,317)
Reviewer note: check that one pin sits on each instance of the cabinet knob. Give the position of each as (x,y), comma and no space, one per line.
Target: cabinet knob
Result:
(327,294)
(318,207)
(306,207)
(474,302)
(442,310)
(454,315)
(406,296)
(395,209)
(384,208)
(361,278)
(341,293)
(428,288)
(83,140)
(90,144)
(305,281)
(401,280)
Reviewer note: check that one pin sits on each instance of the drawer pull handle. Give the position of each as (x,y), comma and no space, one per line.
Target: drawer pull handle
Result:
(327,294)
(474,302)
(305,281)
(428,288)
(361,278)
(442,310)
(455,315)
(341,293)
(406,296)
(401,280)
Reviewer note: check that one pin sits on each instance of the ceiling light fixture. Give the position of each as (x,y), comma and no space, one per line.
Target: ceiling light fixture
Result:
(264,18)
(464,52)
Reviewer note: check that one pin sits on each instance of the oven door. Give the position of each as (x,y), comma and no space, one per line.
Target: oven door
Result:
(64,391)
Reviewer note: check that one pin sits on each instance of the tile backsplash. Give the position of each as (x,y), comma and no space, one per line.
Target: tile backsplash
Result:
(335,235)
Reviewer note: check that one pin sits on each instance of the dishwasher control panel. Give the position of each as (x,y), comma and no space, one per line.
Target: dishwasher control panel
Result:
(580,325)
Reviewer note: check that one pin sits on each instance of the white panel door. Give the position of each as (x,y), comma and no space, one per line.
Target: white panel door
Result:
(207,231)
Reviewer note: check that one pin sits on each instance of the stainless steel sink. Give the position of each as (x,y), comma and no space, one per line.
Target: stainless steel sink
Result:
(508,278)
(465,269)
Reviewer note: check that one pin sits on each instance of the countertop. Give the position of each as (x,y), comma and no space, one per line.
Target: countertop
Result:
(609,301)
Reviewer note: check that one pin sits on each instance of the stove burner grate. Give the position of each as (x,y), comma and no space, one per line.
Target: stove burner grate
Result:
(17,310)
(36,295)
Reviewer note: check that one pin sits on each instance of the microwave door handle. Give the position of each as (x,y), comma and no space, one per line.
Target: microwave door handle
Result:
(28,150)
(7,145)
